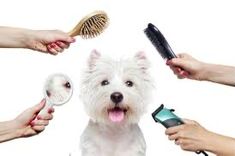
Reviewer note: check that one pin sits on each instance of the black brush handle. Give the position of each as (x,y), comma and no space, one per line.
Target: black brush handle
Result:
(161,44)
(203,152)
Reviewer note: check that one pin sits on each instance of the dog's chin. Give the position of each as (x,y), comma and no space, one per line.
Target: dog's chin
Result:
(117,114)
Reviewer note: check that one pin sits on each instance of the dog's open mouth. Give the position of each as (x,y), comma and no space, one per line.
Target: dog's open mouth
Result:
(117,114)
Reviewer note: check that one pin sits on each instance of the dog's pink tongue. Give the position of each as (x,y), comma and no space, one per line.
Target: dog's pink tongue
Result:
(116,115)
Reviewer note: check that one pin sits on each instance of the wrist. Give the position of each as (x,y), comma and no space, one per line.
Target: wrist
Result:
(10,128)
(210,142)
(16,129)
(21,36)
(29,38)
(13,125)
(205,71)
(220,145)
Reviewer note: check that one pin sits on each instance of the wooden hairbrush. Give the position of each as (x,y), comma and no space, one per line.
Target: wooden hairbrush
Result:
(91,25)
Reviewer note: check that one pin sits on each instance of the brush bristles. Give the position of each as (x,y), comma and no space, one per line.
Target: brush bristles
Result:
(154,40)
(93,26)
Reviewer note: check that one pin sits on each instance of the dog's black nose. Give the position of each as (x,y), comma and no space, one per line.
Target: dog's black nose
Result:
(116,97)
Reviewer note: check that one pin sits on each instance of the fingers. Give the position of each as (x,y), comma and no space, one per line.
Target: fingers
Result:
(184,55)
(39,123)
(57,47)
(174,130)
(38,128)
(181,74)
(173,136)
(62,41)
(42,121)
(186,145)
(45,117)
(187,136)
(68,39)
(177,62)
(53,49)
(190,122)
(51,41)
(62,45)
(62,36)
(37,108)
(178,141)
(51,110)
(176,66)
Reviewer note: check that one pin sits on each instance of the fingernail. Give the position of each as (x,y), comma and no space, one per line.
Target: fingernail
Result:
(53,45)
(50,111)
(32,123)
(185,74)
(167,62)
(178,69)
(72,40)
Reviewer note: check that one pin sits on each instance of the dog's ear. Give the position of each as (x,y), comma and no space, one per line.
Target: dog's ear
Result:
(140,55)
(94,56)
(142,60)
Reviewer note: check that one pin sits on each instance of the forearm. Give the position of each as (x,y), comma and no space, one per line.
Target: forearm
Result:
(14,37)
(220,145)
(9,136)
(6,127)
(8,131)
(220,74)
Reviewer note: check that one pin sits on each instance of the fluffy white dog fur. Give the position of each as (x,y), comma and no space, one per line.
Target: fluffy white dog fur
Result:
(115,95)
(58,88)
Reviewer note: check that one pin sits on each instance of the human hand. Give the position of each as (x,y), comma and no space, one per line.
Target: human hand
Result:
(185,66)
(190,136)
(49,41)
(27,125)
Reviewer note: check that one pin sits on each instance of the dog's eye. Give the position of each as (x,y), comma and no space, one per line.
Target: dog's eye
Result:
(129,83)
(48,93)
(67,85)
(104,83)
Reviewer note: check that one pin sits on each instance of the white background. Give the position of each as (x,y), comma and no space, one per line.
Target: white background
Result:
(205,29)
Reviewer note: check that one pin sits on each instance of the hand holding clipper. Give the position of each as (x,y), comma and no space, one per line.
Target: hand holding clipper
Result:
(168,119)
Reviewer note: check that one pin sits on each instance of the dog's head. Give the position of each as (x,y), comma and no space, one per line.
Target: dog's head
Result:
(116,91)
(57,88)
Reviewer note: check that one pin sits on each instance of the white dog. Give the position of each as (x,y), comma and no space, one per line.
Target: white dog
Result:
(115,95)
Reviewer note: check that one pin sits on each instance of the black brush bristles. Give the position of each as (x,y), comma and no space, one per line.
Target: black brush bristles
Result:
(159,42)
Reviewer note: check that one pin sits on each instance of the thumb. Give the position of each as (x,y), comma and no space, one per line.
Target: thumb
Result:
(37,108)
(178,62)
(190,122)
(64,37)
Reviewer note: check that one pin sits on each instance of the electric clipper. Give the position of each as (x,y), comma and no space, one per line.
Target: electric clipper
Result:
(168,119)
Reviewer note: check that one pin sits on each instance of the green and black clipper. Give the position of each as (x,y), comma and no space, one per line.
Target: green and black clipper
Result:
(168,119)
